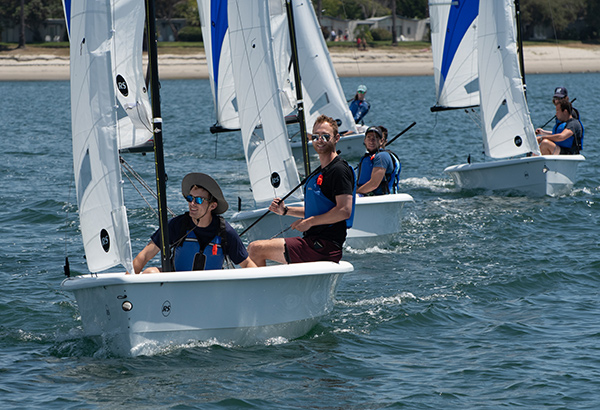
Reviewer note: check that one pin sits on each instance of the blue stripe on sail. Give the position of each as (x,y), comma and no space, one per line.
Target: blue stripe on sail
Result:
(461,16)
(67,7)
(219,26)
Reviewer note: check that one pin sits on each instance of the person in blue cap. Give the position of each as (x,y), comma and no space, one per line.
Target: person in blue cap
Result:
(359,107)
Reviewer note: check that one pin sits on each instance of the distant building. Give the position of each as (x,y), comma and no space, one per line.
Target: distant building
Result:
(407,29)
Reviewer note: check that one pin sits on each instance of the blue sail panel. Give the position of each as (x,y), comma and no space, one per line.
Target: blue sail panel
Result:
(461,17)
(218,26)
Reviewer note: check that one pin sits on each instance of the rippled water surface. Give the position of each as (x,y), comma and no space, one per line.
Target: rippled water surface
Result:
(483,301)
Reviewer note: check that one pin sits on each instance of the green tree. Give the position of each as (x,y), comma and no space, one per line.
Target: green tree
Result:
(558,14)
(412,8)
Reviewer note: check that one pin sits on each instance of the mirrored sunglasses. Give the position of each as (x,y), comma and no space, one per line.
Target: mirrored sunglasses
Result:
(326,137)
(197,199)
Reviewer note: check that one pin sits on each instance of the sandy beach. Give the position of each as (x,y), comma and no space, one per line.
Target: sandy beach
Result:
(17,65)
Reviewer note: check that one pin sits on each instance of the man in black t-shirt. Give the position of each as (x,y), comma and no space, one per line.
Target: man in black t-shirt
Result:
(327,212)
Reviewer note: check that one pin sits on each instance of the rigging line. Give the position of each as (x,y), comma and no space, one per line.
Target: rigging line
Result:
(128,168)
(139,192)
(555,37)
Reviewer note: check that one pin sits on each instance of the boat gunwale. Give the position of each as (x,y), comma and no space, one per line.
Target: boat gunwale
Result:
(513,161)
(267,272)
(360,200)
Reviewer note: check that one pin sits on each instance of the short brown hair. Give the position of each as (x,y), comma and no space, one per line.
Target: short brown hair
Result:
(333,123)
(564,104)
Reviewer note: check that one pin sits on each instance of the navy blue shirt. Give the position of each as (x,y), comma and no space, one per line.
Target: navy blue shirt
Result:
(181,225)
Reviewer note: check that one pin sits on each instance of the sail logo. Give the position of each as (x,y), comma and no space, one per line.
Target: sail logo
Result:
(105,240)
(275,180)
(166,308)
(122,85)
(518,141)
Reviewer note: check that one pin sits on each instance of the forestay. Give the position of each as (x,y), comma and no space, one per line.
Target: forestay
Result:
(454,49)
(508,130)
(102,213)
(271,166)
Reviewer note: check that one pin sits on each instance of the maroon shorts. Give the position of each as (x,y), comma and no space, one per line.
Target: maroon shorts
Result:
(311,249)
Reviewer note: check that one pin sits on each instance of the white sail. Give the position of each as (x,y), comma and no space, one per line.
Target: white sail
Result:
(271,166)
(280,38)
(508,130)
(134,104)
(102,212)
(134,127)
(454,49)
(321,88)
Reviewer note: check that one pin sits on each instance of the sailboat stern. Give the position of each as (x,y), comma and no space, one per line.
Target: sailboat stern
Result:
(552,175)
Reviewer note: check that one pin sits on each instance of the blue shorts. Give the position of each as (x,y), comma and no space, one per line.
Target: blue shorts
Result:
(311,249)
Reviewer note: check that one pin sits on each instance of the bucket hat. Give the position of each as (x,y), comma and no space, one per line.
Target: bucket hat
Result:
(209,184)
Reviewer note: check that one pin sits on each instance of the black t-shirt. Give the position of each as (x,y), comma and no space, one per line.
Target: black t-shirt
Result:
(181,225)
(338,179)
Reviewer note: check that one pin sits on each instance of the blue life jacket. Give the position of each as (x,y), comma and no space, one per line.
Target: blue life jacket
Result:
(316,203)
(187,255)
(389,183)
(568,143)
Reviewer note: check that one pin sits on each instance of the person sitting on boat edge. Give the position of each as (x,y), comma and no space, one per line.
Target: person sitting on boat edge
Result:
(379,169)
(569,140)
(200,239)
(328,209)
(359,107)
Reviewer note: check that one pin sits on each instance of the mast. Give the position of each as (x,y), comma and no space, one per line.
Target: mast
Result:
(159,159)
(296,65)
(520,44)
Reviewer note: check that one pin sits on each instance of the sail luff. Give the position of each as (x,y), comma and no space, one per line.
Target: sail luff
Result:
(506,121)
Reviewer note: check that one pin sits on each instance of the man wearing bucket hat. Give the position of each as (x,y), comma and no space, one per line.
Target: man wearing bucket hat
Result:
(379,169)
(358,105)
(200,239)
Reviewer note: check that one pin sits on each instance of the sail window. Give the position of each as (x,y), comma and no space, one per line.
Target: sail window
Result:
(500,113)
(320,103)
(85,176)
(472,87)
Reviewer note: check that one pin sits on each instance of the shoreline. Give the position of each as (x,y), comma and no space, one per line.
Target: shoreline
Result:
(548,59)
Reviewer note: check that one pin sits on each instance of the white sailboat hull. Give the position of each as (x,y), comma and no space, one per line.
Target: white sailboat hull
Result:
(376,220)
(136,314)
(552,175)
(350,146)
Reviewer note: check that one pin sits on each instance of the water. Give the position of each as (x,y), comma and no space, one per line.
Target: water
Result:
(484,301)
